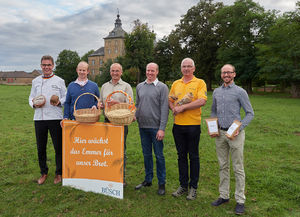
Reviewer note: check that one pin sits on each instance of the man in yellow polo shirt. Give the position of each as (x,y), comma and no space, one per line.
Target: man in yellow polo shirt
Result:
(186,97)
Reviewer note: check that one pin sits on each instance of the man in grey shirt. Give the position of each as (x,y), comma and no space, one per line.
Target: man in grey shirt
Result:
(152,116)
(227,102)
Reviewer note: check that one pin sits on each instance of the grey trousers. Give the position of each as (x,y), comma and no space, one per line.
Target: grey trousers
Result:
(224,148)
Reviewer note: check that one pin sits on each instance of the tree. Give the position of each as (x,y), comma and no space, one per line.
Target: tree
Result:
(279,56)
(139,46)
(66,64)
(163,57)
(105,73)
(199,38)
(86,55)
(241,26)
(168,54)
(130,75)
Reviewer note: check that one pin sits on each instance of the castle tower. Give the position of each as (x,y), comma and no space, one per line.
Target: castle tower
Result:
(114,46)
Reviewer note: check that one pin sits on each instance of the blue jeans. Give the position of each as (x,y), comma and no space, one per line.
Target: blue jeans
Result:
(148,138)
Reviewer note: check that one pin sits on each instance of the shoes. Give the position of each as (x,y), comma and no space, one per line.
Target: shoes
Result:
(42,179)
(161,190)
(57,179)
(239,208)
(180,191)
(219,201)
(143,184)
(192,194)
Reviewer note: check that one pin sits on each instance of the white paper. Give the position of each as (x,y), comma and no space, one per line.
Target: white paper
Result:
(212,126)
(232,128)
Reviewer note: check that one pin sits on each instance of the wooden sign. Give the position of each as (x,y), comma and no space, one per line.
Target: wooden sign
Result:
(93,157)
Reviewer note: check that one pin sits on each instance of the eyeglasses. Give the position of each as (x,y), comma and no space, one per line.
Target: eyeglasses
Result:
(187,66)
(45,65)
(227,73)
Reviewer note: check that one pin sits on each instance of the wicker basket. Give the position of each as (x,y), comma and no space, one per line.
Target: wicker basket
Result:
(121,113)
(86,115)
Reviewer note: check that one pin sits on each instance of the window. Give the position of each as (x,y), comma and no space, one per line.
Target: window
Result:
(93,62)
(93,71)
(101,62)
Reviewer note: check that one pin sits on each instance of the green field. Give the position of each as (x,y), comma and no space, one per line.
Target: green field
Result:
(272,166)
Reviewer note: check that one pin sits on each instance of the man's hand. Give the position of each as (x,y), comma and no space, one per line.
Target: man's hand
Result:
(235,135)
(160,135)
(61,122)
(100,105)
(55,104)
(178,109)
(112,102)
(38,106)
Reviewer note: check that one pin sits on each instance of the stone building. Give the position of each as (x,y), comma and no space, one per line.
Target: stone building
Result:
(113,47)
(18,77)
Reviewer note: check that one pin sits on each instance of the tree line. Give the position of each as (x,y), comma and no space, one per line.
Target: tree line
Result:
(263,45)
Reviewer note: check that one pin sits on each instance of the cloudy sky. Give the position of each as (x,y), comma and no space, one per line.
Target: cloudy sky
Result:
(31,28)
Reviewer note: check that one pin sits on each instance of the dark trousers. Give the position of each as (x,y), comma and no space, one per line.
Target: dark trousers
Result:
(187,139)
(41,133)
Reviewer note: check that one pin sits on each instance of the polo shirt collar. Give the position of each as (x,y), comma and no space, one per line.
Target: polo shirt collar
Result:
(193,79)
(119,82)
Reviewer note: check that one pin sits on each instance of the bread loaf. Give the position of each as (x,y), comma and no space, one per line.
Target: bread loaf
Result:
(39,100)
(54,100)
(186,99)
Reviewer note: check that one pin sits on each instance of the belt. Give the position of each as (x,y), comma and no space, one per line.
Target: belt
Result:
(225,129)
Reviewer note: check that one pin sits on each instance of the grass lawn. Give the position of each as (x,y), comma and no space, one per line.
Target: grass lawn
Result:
(271,155)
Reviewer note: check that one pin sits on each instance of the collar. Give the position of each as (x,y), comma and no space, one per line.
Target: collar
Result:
(81,83)
(119,82)
(193,79)
(155,82)
(229,86)
(47,77)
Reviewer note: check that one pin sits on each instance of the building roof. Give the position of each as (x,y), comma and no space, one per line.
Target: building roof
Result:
(19,74)
(99,52)
(117,32)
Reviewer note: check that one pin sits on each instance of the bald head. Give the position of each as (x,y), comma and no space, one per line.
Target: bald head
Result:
(116,65)
(153,64)
(189,60)
(83,64)
(228,66)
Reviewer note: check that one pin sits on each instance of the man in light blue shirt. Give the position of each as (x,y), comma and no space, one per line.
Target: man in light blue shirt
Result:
(227,103)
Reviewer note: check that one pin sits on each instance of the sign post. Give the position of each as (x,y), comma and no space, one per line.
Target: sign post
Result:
(93,157)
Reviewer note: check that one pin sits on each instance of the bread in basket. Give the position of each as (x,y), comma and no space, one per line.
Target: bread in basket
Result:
(120,113)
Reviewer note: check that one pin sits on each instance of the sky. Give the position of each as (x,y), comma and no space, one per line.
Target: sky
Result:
(30,29)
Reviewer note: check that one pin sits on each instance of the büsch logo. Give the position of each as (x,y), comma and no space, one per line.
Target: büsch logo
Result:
(109,190)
